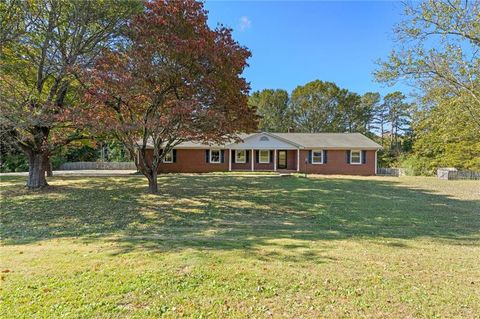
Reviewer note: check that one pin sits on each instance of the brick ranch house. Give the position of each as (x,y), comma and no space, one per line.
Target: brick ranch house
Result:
(317,153)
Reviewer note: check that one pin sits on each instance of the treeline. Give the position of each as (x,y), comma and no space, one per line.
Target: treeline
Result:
(437,53)
(12,159)
(320,106)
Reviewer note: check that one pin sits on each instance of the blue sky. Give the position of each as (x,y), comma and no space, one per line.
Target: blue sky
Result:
(296,42)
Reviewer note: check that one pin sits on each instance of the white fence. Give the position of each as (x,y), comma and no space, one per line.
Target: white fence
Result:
(72,166)
(453,174)
(387,171)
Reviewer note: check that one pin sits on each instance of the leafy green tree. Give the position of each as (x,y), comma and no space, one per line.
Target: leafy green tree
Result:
(117,152)
(12,20)
(398,117)
(39,87)
(324,107)
(351,112)
(390,122)
(273,110)
(369,104)
(317,107)
(438,54)
(438,47)
(445,137)
(358,111)
(380,120)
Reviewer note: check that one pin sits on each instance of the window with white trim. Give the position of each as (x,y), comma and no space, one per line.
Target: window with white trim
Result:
(317,157)
(355,157)
(240,156)
(215,156)
(264,156)
(168,158)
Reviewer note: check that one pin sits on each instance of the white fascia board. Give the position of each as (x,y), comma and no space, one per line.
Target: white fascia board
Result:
(274,142)
(346,148)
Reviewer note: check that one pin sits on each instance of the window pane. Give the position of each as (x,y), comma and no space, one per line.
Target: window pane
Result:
(240,156)
(215,156)
(168,157)
(317,157)
(264,156)
(355,157)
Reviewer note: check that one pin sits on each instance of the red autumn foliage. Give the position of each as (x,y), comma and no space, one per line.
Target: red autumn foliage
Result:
(172,79)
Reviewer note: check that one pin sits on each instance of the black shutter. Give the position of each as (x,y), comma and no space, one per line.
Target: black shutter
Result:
(325,157)
(257,154)
(348,157)
(174,155)
(364,157)
(207,156)
(271,156)
(310,157)
(222,156)
(247,156)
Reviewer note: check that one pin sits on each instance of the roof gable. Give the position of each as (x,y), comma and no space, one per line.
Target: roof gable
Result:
(264,141)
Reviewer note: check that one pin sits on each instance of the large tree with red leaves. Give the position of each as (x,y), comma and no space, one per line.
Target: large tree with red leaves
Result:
(172,79)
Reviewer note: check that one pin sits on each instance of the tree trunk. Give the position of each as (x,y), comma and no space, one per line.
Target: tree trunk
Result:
(145,167)
(48,166)
(151,175)
(152,182)
(36,170)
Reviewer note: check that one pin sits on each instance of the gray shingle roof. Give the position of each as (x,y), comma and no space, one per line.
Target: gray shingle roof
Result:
(330,140)
(307,140)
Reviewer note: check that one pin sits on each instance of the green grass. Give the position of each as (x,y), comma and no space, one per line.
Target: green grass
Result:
(232,246)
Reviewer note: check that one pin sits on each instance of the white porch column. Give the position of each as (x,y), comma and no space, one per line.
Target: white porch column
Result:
(298,160)
(252,159)
(229,159)
(376,162)
(274,160)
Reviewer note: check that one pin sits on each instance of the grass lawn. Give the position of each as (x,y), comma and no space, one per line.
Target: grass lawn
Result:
(231,246)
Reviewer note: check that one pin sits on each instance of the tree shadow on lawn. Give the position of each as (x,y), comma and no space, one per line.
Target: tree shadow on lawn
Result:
(233,213)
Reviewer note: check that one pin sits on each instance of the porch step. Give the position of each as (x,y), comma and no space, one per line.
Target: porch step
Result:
(285,174)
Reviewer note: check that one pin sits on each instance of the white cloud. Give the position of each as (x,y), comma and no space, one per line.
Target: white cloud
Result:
(244,23)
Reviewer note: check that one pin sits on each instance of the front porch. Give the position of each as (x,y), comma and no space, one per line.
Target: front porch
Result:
(276,160)
(264,152)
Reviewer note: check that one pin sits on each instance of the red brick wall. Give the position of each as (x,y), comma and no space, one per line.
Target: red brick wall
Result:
(190,161)
(193,161)
(292,160)
(337,164)
(263,167)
